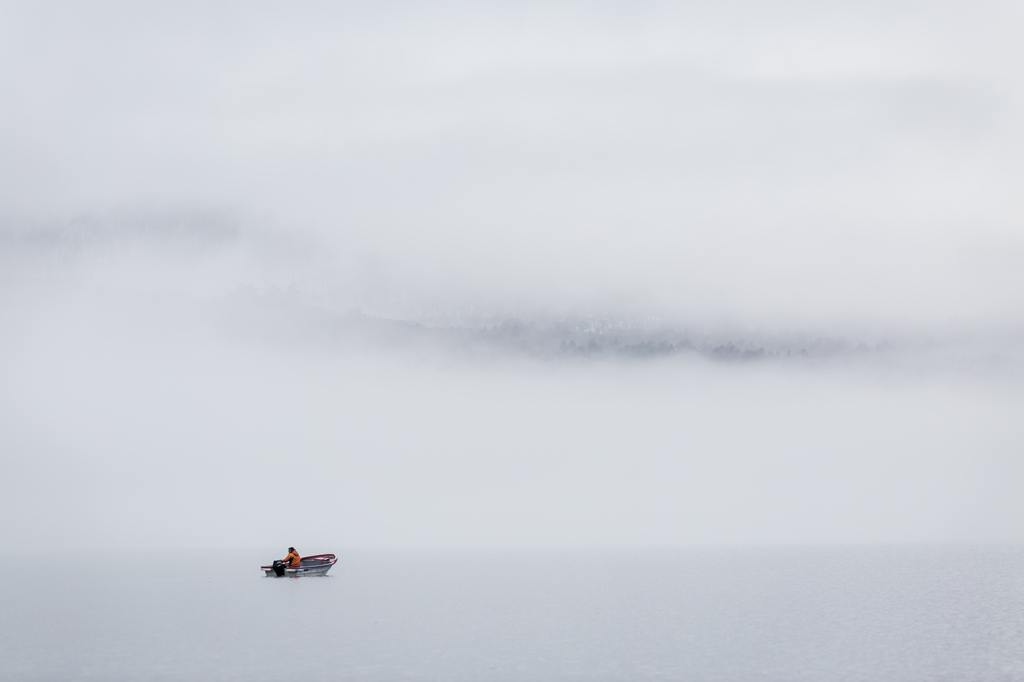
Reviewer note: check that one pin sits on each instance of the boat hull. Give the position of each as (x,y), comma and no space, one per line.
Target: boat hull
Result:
(300,571)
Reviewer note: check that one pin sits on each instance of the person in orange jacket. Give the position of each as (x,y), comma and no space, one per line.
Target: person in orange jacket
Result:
(293,558)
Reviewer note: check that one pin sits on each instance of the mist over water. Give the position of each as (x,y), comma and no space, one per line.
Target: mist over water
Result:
(534,276)
(156,397)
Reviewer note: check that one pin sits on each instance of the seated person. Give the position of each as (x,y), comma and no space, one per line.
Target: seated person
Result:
(293,558)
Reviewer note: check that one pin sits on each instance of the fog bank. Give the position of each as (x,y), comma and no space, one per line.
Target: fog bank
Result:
(532,275)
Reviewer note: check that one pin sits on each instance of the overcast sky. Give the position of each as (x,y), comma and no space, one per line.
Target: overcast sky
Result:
(822,163)
(767,170)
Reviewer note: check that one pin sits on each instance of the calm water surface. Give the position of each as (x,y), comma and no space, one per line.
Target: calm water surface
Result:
(772,614)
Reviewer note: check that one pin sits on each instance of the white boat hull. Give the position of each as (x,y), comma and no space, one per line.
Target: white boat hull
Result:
(300,571)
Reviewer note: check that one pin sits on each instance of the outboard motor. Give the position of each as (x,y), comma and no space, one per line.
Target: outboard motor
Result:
(279,568)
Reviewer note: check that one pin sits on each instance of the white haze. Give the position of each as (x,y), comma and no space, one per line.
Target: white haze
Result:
(549,274)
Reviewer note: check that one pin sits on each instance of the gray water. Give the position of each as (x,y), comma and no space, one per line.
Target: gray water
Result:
(767,614)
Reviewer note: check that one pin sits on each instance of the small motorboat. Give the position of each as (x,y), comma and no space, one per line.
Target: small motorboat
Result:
(317,564)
